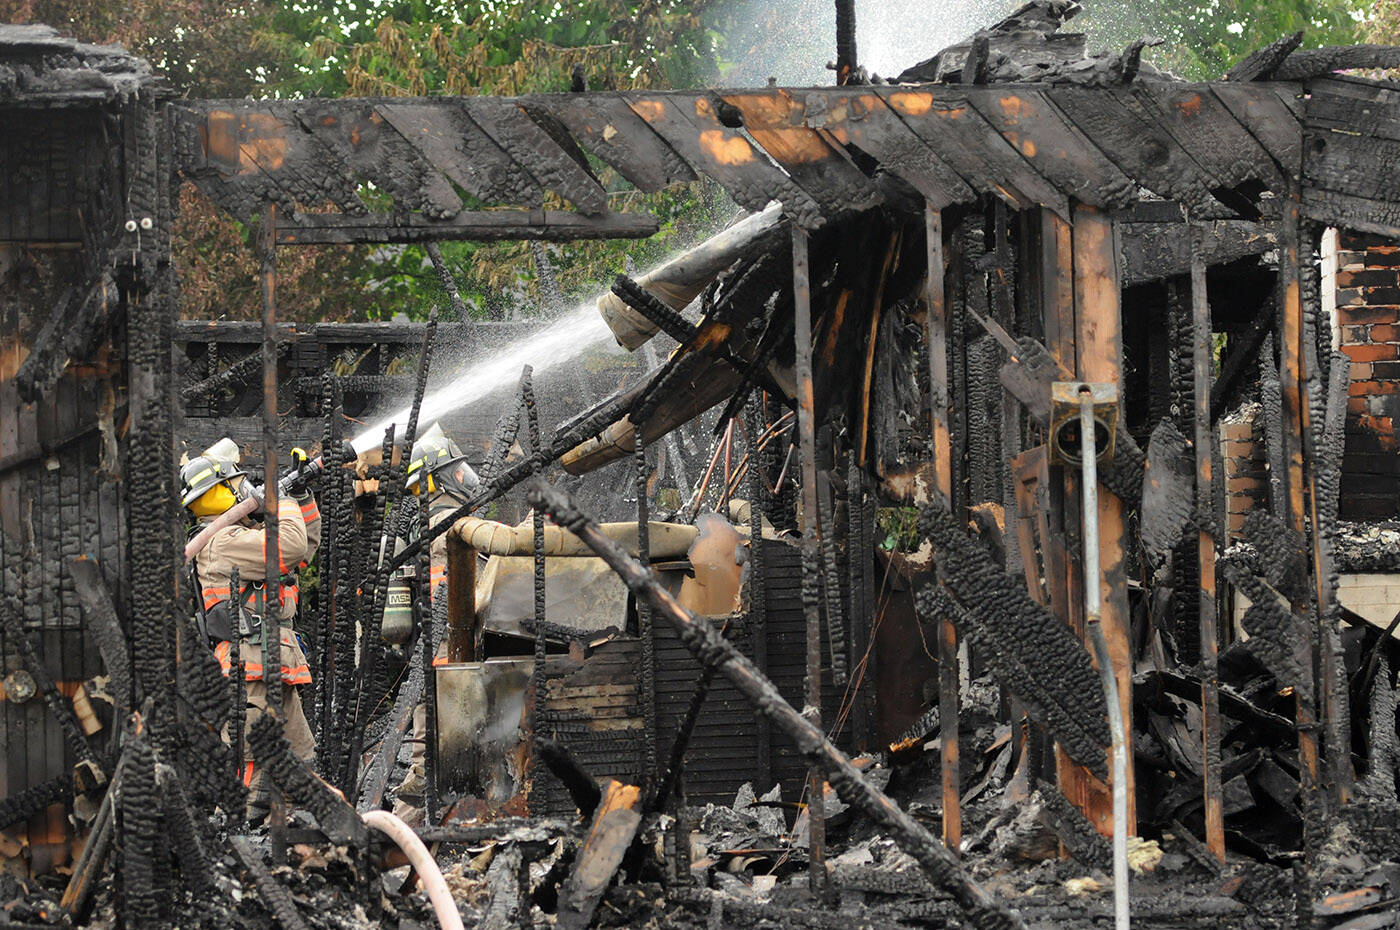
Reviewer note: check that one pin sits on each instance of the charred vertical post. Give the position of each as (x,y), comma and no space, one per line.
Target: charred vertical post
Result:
(936,326)
(758,627)
(427,647)
(845,41)
(1210,642)
(1291,378)
(1098,340)
(532,426)
(811,582)
(272,579)
(272,550)
(646,674)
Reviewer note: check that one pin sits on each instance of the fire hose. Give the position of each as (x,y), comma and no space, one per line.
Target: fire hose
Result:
(423,863)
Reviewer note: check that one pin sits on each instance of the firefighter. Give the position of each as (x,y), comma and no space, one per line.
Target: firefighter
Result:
(210,485)
(439,475)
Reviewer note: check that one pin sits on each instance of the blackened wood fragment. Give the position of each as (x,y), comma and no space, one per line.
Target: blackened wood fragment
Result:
(605,125)
(1307,63)
(274,754)
(277,899)
(1261,64)
(582,787)
(508,124)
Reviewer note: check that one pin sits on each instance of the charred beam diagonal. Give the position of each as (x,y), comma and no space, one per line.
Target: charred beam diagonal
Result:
(714,651)
(232,378)
(564,439)
(18,639)
(645,303)
(278,900)
(274,754)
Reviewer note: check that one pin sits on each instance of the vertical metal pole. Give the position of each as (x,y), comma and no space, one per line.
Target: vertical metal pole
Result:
(1210,646)
(807,439)
(936,324)
(1092,607)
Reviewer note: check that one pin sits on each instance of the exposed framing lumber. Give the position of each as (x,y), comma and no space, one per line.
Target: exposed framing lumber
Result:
(1210,642)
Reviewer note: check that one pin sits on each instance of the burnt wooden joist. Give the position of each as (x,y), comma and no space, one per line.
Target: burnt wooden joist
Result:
(820,151)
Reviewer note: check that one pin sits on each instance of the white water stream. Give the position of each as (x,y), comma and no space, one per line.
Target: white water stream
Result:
(559,341)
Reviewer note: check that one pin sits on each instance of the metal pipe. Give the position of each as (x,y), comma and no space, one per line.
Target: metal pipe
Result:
(1090,483)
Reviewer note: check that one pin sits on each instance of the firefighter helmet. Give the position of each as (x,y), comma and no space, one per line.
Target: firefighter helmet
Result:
(206,481)
(439,458)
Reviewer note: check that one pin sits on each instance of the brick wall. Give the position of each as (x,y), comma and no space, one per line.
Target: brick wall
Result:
(1367,295)
(1246,466)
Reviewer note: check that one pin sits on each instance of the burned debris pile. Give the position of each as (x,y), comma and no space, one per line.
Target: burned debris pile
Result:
(1006,535)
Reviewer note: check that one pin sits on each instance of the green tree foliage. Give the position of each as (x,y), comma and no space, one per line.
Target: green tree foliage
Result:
(1204,38)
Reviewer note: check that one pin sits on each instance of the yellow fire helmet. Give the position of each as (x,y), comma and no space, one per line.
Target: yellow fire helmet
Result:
(205,481)
(442,462)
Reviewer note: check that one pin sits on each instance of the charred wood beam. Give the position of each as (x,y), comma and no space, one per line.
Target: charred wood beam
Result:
(20,807)
(274,754)
(565,438)
(644,302)
(1307,63)
(100,612)
(581,785)
(232,378)
(713,650)
(278,900)
(1261,64)
(380,768)
(449,283)
(185,839)
(61,708)
(609,837)
(484,226)
(845,42)
(72,328)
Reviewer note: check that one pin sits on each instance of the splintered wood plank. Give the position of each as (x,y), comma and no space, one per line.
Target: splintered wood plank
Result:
(1210,132)
(606,126)
(861,120)
(1266,112)
(1053,146)
(609,837)
(775,119)
(974,148)
(691,126)
(1144,150)
(459,149)
(525,141)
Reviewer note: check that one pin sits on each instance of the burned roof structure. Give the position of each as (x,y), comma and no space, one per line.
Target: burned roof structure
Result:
(953,281)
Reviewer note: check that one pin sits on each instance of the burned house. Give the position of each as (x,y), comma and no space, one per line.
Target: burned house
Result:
(915,553)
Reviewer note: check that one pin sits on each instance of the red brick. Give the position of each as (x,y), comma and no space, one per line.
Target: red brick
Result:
(1350,297)
(1368,278)
(1385,332)
(1357,405)
(1372,353)
(1367,388)
(1360,371)
(1385,371)
(1355,335)
(1239,430)
(1236,522)
(1366,314)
